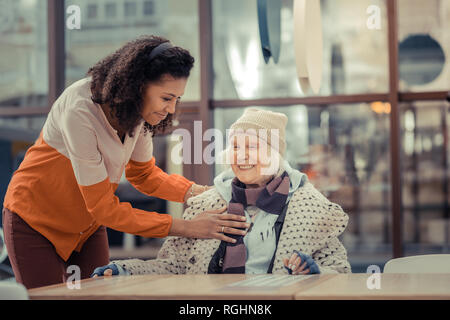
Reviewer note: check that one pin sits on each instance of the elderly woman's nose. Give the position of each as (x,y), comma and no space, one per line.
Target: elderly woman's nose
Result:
(242,154)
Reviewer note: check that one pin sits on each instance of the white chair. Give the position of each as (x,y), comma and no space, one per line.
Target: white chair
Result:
(10,290)
(429,263)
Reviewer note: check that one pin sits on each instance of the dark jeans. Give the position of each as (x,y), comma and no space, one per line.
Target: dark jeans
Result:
(34,259)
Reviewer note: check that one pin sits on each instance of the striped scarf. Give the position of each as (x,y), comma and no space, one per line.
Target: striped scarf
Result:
(270,198)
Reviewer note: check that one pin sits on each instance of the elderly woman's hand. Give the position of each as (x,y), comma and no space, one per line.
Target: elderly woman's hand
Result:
(109,270)
(300,263)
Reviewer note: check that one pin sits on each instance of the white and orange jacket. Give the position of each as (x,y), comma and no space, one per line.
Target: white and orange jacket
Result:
(64,188)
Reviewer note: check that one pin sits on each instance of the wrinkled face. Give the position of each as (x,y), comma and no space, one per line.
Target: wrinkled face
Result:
(248,159)
(161,97)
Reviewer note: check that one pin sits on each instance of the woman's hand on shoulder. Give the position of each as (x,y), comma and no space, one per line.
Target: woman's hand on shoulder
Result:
(211,224)
(195,190)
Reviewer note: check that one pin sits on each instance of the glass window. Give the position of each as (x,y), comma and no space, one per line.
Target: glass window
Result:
(110,10)
(355,56)
(23,53)
(174,20)
(92,11)
(148,8)
(424,45)
(130,9)
(344,150)
(426,175)
(16,136)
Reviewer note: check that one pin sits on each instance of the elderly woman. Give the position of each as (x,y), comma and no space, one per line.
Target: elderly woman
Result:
(293,228)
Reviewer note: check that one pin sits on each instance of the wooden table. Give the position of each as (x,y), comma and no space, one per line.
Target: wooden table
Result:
(184,287)
(392,287)
(248,287)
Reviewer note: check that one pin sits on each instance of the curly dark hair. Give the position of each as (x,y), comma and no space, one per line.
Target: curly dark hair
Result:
(120,79)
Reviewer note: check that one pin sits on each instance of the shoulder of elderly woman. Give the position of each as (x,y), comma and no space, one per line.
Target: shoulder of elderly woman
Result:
(208,200)
(308,195)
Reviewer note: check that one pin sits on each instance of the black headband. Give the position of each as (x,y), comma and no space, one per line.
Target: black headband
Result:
(160,48)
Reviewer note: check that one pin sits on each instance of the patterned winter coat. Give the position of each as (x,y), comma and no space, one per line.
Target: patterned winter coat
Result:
(311,225)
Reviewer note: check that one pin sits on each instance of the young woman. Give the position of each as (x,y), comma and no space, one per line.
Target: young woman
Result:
(62,196)
(294,228)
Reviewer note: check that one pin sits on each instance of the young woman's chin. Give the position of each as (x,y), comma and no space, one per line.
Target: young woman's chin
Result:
(153,120)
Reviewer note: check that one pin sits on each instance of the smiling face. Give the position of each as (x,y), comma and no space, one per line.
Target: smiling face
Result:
(161,97)
(248,161)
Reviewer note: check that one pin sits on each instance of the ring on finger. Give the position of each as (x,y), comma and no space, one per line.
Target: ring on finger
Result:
(223,228)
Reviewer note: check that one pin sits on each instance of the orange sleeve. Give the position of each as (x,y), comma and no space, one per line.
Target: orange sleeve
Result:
(151,180)
(88,165)
(107,210)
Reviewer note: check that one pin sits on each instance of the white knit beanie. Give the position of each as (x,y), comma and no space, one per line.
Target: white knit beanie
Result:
(257,119)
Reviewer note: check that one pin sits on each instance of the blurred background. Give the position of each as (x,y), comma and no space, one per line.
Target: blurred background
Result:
(374,140)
